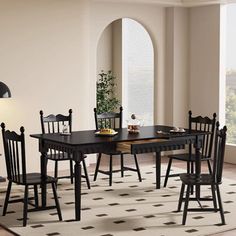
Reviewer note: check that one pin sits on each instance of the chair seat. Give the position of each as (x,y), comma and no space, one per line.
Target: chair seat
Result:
(36,178)
(193,179)
(185,157)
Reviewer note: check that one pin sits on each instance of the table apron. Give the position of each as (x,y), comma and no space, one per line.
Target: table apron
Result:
(166,145)
(74,150)
(78,151)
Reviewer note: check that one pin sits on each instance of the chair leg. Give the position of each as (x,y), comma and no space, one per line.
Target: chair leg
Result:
(71,172)
(25,205)
(137,168)
(56,201)
(110,171)
(122,164)
(192,171)
(220,205)
(56,170)
(97,166)
(36,199)
(167,172)
(214,197)
(209,166)
(181,197)
(186,205)
(7,198)
(192,167)
(188,167)
(86,173)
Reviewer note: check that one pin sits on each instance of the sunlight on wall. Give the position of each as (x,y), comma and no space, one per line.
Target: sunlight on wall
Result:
(230,105)
(138,71)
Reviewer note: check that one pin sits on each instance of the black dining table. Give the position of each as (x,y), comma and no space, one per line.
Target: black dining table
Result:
(150,139)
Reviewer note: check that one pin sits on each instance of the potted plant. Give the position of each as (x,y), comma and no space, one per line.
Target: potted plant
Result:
(106,100)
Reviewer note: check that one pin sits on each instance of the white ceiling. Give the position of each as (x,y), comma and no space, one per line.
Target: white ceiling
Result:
(183,3)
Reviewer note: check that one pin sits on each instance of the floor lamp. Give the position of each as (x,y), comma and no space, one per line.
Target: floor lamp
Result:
(4,93)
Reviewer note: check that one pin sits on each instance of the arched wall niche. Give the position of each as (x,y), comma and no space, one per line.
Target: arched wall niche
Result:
(101,30)
(126,48)
(153,20)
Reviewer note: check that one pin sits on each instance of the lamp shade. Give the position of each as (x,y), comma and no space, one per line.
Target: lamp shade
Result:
(4,91)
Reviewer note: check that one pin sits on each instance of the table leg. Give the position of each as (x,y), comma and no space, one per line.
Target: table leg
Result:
(77,190)
(158,170)
(44,174)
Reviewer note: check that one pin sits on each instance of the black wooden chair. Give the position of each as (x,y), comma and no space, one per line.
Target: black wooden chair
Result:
(214,180)
(54,124)
(112,120)
(202,124)
(14,148)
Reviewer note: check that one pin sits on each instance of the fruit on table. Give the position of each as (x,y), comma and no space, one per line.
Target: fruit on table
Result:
(107,131)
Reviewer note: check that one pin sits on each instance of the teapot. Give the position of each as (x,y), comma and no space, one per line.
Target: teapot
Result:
(134,124)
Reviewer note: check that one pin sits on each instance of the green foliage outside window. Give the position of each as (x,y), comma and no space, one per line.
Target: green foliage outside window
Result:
(231,114)
(106,97)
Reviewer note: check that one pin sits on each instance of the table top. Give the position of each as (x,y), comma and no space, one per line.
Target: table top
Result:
(88,136)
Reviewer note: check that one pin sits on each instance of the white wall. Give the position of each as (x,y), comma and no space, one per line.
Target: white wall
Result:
(169,65)
(204,59)
(177,66)
(181,67)
(117,56)
(104,50)
(44,58)
(109,53)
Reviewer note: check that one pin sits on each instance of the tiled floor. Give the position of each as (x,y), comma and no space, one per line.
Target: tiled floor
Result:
(229,172)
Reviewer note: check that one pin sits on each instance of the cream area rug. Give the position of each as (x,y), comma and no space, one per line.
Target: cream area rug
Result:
(128,208)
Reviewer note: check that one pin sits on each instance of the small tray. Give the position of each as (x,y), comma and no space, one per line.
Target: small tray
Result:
(162,132)
(177,131)
(135,131)
(65,134)
(109,135)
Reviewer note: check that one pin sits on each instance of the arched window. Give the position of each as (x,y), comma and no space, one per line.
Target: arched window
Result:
(126,49)
(138,71)
(230,106)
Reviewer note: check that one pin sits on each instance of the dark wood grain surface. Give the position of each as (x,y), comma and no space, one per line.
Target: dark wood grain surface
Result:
(88,136)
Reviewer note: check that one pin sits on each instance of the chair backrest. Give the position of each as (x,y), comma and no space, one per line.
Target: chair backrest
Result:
(54,123)
(219,153)
(14,149)
(204,124)
(110,120)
